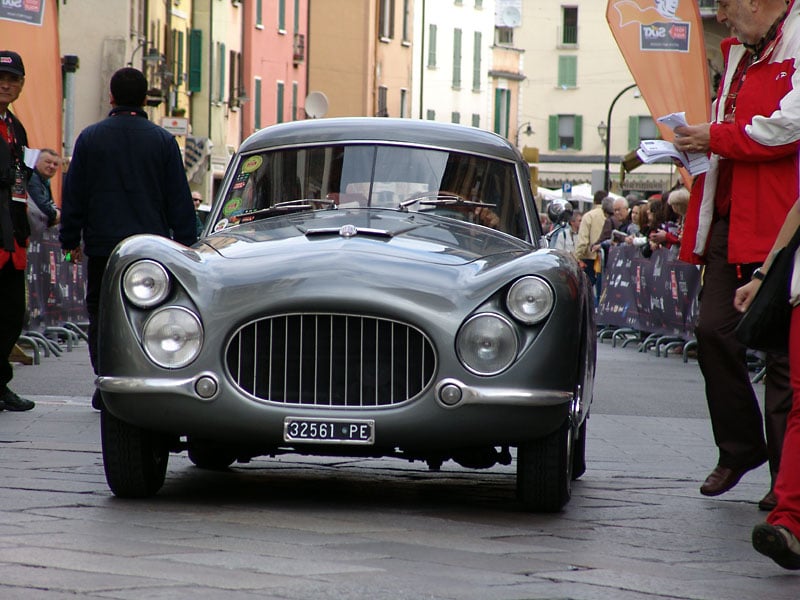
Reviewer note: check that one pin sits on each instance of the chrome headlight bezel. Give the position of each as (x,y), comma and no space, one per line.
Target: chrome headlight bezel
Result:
(172,337)
(487,344)
(530,300)
(146,283)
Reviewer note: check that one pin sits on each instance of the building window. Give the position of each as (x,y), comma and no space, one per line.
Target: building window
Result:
(221,72)
(279,103)
(383,94)
(404,112)
(407,21)
(177,62)
(641,128)
(565,132)
(234,78)
(282,15)
(296,16)
(504,36)
(195,60)
(455,117)
(476,62)
(569,27)
(430,115)
(259,13)
(478,4)
(476,120)
(457,58)
(257,103)
(502,110)
(567,71)
(386,19)
(432,46)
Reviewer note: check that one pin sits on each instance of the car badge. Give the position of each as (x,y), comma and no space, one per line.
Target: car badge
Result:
(348,231)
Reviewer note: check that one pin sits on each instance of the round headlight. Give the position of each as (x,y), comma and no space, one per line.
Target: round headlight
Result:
(172,337)
(487,344)
(530,300)
(146,284)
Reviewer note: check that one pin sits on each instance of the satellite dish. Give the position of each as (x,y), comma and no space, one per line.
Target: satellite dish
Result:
(316,105)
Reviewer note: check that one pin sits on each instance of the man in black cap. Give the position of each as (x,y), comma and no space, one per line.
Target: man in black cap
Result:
(14,229)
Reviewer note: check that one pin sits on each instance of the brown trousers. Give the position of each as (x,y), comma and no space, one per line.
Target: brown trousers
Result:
(733,406)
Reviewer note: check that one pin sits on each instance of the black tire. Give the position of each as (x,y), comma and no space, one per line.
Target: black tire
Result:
(134,459)
(544,471)
(579,452)
(205,455)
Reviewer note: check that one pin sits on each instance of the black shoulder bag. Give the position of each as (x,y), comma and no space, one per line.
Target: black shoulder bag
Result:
(765,325)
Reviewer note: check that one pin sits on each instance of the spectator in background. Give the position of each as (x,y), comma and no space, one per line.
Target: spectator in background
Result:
(42,196)
(670,233)
(590,229)
(197,199)
(126,177)
(566,237)
(614,228)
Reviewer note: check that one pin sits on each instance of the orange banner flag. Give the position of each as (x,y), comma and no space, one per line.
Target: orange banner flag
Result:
(32,32)
(662,43)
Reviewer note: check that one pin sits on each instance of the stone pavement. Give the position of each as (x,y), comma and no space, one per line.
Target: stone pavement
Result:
(309,528)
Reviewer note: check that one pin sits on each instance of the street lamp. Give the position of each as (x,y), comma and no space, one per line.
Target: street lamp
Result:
(606,128)
(528,131)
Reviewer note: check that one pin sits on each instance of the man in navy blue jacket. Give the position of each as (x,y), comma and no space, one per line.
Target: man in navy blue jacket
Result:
(126,177)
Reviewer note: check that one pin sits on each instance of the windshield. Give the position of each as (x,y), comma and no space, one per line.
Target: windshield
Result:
(454,185)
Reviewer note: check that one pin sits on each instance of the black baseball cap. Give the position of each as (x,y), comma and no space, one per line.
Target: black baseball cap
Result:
(11,62)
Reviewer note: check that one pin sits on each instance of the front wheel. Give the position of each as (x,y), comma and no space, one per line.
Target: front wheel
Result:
(134,459)
(544,470)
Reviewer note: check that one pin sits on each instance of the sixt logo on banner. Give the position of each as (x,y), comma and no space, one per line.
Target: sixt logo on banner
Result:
(673,37)
(30,12)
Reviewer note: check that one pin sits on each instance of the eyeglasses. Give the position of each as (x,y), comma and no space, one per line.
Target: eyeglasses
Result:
(10,78)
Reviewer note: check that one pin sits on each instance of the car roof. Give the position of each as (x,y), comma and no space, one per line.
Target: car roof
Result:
(381,129)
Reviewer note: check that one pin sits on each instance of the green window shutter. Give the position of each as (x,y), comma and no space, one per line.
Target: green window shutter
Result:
(294,101)
(296,16)
(476,120)
(552,133)
(195,60)
(282,15)
(578,132)
(456,58)
(280,103)
(633,132)
(455,117)
(430,115)
(259,13)
(432,46)
(257,104)
(476,62)
(498,99)
(567,71)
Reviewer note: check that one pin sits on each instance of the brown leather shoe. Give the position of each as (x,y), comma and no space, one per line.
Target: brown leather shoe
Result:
(723,479)
(768,502)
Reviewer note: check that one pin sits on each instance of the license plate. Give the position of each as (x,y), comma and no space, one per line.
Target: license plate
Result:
(329,431)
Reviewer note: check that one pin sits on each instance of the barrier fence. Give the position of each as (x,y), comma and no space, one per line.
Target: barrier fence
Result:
(56,288)
(653,295)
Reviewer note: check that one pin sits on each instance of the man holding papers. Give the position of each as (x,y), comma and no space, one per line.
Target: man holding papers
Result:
(735,212)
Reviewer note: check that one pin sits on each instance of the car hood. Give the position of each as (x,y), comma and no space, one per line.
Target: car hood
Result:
(393,234)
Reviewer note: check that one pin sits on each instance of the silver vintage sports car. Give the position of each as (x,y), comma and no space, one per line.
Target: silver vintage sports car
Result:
(364,287)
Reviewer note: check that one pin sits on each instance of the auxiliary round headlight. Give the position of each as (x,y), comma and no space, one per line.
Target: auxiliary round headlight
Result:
(146,284)
(530,300)
(172,337)
(487,344)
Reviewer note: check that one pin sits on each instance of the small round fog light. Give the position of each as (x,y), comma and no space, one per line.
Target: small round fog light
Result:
(450,394)
(205,387)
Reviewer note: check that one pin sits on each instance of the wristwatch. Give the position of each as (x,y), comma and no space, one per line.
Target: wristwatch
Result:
(758,274)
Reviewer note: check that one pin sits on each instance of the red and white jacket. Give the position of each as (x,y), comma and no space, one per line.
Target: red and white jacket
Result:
(761,143)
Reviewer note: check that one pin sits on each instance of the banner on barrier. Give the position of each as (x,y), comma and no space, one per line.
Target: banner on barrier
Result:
(653,295)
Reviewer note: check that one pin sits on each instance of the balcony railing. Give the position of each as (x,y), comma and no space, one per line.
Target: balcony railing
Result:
(568,36)
(299,48)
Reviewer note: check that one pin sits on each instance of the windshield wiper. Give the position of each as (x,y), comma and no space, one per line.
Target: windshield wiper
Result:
(434,199)
(289,206)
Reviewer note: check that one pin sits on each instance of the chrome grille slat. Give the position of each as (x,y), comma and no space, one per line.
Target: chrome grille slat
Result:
(330,360)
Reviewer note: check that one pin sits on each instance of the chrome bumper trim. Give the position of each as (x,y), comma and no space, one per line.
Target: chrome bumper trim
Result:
(154,385)
(502,396)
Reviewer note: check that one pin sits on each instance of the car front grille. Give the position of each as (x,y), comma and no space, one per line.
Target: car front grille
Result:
(324,360)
